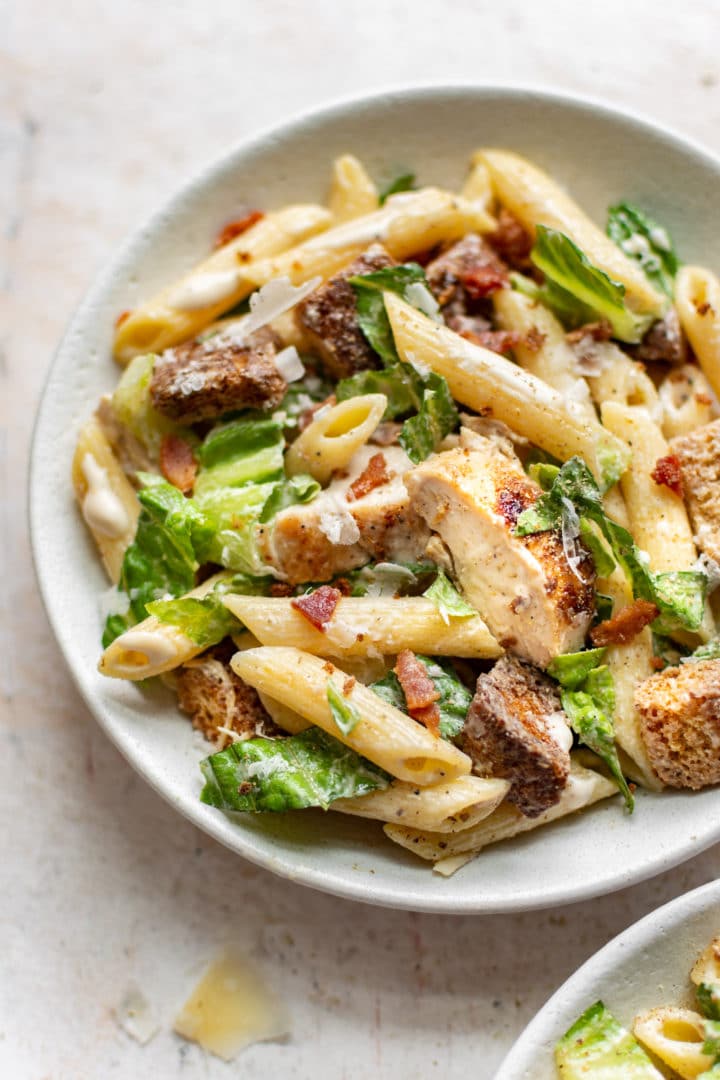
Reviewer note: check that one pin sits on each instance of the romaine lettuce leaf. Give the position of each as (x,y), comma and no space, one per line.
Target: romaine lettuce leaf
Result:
(240,452)
(644,240)
(134,409)
(389,578)
(590,713)
(372,317)
(709,651)
(596,1045)
(454,701)
(206,620)
(309,769)
(447,599)
(569,272)
(572,669)
(438,416)
(404,182)
(680,596)
(401,384)
(343,711)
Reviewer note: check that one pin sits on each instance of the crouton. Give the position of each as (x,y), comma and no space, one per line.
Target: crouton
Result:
(699,457)
(201,380)
(680,723)
(218,701)
(328,318)
(516,730)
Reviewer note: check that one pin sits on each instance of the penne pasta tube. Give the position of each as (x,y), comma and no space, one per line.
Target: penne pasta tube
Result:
(334,436)
(494,386)
(409,222)
(478,186)
(583,788)
(676,1036)
(444,808)
(362,626)
(535,199)
(182,310)
(153,647)
(686,400)
(621,379)
(283,716)
(550,358)
(106,497)
(381,732)
(697,299)
(352,192)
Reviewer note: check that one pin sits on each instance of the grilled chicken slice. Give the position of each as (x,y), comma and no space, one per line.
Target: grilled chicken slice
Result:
(532,599)
(337,532)
(516,730)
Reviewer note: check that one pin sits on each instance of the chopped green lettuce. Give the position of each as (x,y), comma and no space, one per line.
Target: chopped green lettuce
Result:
(309,769)
(240,452)
(603,607)
(404,182)
(343,712)
(572,669)
(590,713)
(447,599)
(709,651)
(206,620)
(389,578)
(604,562)
(711,1045)
(679,596)
(453,703)
(597,1045)
(644,240)
(581,292)
(708,998)
(134,409)
(438,416)
(372,317)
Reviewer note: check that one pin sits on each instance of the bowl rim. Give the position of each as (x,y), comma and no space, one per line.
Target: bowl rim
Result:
(639,936)
(335,883)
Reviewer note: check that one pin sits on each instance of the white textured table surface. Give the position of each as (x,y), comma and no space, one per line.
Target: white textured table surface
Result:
(104,108)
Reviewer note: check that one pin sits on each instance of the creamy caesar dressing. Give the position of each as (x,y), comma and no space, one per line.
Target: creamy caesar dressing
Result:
(102,509)
(204,290)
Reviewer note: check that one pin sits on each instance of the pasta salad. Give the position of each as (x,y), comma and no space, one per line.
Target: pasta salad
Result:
(412,499)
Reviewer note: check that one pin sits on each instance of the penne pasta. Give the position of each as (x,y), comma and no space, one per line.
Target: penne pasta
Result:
(686,400)
(381,733)
(285,717)
(621,379)
(154,647)
(535,199)
(352,192)
(445,808)
(362,626)
(492,385)
(106,497)
(676,1036)
(185,308)
(697,298)
(335,435)
(478,186)
(583,788)
(408,223)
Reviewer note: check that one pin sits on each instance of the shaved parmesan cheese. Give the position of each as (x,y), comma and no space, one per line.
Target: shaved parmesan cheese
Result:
(570,528)
(447,867)
(338,525)
(231,1008)
(289,364)
(278,296)
(136,1017)
(113,602)
(421,298)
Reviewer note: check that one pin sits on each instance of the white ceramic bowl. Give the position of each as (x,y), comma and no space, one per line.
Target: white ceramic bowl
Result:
(646,966)
(601,156)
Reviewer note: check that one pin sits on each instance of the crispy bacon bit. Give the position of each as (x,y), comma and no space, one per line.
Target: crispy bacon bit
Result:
(177,463)
(598,331)
(344,586)
(418,687)
(534,339)
(624,626)
(511,240)
(668,472)
(122,317)
(657,663)
(430,717)
(329,668)
(374,475)
(237,228)
(482,281)
(348,685)
(513,499)
(318,607)
(498,341)
(306,418)
(281,588)
(703,399)
(702,309)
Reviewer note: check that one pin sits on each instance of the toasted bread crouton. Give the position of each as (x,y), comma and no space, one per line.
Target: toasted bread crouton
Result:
(328,318)
(699,457)
(536,604)
(201,380)
(516,730)
(680,723)
(218,701)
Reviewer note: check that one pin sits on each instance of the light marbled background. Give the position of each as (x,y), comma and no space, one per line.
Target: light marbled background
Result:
(104,109)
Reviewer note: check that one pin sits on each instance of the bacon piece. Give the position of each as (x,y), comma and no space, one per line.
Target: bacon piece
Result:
(374,475)
(122,317)
(237,227)
(497,341)
(419,690)
(534,339)
(281,588)
(624,626)
(668,472)
(598,331)
(177,463)
(318,607)
(481,281)
(511,240)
